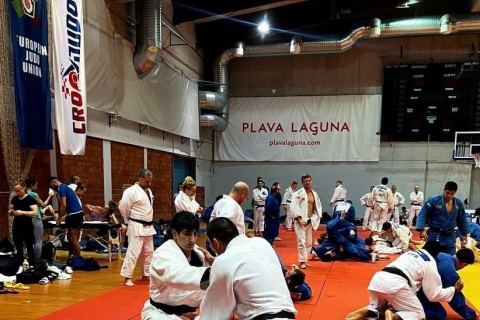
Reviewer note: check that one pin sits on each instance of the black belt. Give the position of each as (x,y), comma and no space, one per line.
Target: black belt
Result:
(259,206)
(145,223)
(398,272)
(176,310)
(442,231)
(289,201)
(414,204)
(281,314)
(339,200)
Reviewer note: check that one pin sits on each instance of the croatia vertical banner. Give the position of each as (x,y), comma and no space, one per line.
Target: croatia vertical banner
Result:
(29,25)
(69,67)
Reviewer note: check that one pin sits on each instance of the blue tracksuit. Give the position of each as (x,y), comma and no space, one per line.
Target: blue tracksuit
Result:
(442,224)
(449,275)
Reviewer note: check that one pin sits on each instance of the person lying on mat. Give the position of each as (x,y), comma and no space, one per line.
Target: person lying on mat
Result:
(447,266)
(246,277)
(178,273)
(295,278)
(399,236)
(397,284)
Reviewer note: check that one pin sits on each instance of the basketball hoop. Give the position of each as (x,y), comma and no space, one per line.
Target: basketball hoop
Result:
(476,157)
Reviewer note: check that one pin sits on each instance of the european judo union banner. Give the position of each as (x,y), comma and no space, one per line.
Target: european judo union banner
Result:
(29,26)
(69,68)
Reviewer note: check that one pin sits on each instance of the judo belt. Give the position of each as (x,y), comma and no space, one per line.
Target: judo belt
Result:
(443,231)
(176,310)
(278,315)
(289,201)
(259,206)
(145,223)
(398,272)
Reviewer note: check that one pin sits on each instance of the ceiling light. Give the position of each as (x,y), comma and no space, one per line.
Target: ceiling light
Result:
(238,51)
(295,47)
(446,24)
(263,27)
(403,6)
(376,28)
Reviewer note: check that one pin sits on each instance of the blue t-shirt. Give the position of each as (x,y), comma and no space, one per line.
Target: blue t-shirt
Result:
(73,204)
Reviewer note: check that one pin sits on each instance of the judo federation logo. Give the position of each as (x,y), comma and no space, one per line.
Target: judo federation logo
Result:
(29,8)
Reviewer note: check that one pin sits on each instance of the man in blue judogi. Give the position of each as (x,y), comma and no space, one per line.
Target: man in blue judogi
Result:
(447,268)
(443,213)
(344,206)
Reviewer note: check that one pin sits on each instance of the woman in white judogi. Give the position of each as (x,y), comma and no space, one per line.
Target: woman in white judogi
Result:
(185,199)
(178,272)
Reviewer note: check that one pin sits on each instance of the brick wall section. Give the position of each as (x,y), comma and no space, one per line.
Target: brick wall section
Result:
(89,167)
(161,165)
(127,161)
(4,196)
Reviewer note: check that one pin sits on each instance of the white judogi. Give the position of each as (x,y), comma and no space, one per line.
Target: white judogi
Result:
(398,201)
(400,237)
(247,278)
(137,204)
(383,202)
(286,200)
(183,202)
(229,208)
(259,197)
(421,269)
(416,200)
(367,201)
(299,207)
(173,281)
(339,194)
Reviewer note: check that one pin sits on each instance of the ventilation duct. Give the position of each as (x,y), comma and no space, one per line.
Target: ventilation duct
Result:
(415,27)
(148,36)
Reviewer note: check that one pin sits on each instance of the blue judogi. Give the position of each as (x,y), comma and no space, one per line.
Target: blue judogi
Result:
(474,232)
(449,275)
(343,205)
(337,233)
(442,225)
(272,215)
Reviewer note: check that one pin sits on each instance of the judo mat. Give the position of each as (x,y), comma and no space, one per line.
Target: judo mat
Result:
(338,288)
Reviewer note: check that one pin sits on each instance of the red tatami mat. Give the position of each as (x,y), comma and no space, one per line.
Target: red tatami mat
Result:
(338,288)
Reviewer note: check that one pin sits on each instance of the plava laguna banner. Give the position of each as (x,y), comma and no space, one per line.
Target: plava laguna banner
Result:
(69,68)
(332,128)
(29,26)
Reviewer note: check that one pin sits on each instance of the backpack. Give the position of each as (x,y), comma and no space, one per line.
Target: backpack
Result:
(77,263)
(48,252)
(6,246)
(8,265)
(91,264)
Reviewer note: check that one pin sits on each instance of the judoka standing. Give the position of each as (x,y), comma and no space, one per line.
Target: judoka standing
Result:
(287,199)
(306,209)
(367,201)
(382,204)
(272,214)
(444,212)
(246,278)
(447,268)
(339,194)
(136,207)
(229,206)
(185,199)
(416,200)
(398,282)
(178,273)
(259,196)
(398,202)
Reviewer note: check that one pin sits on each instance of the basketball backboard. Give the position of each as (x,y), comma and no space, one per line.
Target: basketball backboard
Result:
(466,144)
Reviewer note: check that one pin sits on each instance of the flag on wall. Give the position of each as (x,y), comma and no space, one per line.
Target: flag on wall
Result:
(69,71)
(29,28)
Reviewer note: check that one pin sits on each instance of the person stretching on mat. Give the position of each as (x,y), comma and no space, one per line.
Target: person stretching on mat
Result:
(398,283)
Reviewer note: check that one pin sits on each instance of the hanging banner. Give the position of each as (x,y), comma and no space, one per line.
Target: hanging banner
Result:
(339,128)
(69,70)
(29,26)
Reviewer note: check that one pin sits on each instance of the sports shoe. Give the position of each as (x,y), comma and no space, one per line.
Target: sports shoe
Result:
(68,270)
(64,276)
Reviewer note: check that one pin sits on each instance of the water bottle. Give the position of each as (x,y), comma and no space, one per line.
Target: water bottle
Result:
(25,265)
